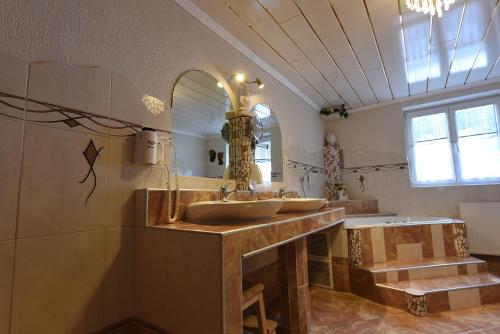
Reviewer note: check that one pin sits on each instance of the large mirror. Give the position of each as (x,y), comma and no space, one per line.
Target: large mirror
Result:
(268,155)
(199,104)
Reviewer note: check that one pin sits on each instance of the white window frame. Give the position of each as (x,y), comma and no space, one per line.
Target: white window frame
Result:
(449,110)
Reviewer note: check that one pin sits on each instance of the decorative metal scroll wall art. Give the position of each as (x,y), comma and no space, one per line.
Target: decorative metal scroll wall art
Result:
(48,113)
(305,167)
(371,169)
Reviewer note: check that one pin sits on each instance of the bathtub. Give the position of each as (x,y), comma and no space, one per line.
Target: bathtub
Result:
(381,221)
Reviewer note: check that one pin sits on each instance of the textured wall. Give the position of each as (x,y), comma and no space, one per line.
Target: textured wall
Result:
(377,137)
(152,43)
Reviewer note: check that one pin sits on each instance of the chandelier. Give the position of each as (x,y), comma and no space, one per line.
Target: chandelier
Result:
(431,7)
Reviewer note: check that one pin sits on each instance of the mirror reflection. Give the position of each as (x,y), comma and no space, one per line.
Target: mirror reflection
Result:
(268,155)
(199,104)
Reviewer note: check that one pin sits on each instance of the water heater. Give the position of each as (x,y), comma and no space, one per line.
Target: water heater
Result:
(146,147)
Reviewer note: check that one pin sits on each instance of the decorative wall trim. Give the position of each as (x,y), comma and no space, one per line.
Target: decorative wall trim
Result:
(91,153)
(305,167)
(49,113)
(375,168)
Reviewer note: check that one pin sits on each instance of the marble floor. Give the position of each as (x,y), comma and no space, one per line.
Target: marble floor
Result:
(336,312)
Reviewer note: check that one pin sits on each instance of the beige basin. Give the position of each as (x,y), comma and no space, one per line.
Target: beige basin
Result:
(301,204)
(221,212)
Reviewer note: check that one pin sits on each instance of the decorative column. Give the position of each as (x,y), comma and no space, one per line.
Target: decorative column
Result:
(240,148)
(333,169)
(294,287)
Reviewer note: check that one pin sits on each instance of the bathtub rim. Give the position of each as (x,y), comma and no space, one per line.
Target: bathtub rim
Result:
(441,221)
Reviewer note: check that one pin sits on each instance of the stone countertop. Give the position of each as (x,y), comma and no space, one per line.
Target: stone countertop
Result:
(295,223)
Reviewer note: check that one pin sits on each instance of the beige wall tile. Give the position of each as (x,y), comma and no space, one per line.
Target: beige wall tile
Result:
(432,272)
(472,269)
(11,133)
(378,244)
(13,75)
(52,199)
(81,88)
(58,284)
(6,266)
(150,274)
(409,251)
(127,105)
(438,240)
(118,275)
(464,298)
(338,237)
(124,177)
(392,276)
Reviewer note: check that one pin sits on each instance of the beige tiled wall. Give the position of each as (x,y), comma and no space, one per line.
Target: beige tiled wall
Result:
(67,264)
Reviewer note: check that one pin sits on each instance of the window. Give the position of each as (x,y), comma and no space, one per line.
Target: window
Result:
(454,145)
(263,160)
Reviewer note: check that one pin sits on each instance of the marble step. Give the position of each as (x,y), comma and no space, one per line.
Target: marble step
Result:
(423,296)
(396,271)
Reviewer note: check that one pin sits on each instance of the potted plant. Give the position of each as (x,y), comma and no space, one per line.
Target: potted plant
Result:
(341,110)
(340,190)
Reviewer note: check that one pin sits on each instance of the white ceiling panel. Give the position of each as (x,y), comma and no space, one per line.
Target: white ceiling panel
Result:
(475,22)
(257,17)
(384,15)
(445,29)
(320,16)
(311,74)
(282,10)
(488,54)
(441,55)
(360,51)
(300,31)
(495,71)
(354,19)
(417,33)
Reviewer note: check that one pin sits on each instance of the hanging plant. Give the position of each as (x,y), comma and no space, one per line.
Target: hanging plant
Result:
(341,110)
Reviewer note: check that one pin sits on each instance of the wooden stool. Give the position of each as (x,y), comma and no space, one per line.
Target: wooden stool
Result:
(256,324)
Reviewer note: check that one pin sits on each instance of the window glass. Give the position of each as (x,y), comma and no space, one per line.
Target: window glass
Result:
(455,144)
(474,121)
(429,127)
(432,153)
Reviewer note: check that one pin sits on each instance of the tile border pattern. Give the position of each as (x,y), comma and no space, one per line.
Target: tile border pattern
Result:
(71,117)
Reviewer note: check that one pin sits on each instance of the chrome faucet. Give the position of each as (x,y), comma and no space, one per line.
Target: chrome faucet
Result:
(282,193)
(224,193)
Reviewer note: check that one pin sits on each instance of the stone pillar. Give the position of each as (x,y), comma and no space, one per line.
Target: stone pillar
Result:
(240,148)
(333,169)
(294,287)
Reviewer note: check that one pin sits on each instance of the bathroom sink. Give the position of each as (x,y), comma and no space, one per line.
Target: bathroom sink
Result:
(301,204)
(220,212)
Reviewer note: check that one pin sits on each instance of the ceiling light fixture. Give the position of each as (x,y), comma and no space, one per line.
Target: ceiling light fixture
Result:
(240,77)
(219,84)
(431,7)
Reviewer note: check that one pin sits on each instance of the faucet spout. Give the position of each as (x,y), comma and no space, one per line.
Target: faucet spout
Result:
(225,193)
(282,193)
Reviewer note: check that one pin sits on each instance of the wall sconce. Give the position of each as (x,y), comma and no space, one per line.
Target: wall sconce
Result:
(259,83)
(240,78)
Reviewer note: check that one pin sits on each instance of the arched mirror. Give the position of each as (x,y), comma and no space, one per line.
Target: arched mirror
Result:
(199,104)
(268,153)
